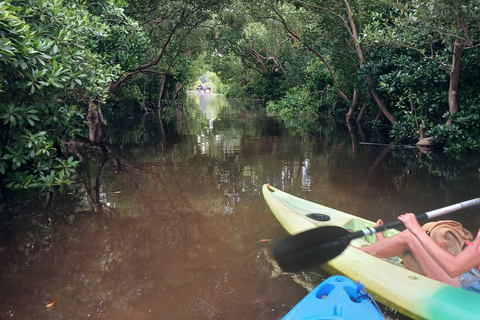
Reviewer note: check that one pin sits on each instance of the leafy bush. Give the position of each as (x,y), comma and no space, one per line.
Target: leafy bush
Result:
(462,135)
(51,64)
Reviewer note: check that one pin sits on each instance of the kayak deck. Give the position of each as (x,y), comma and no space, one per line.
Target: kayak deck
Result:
(337,297)
(386,280)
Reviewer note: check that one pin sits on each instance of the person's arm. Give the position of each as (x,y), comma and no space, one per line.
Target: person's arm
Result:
(452,265)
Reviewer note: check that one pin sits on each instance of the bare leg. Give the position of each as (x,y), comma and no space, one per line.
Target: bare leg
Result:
(389,247)
(398,244)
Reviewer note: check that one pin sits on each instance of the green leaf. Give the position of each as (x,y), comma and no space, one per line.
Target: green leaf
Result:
(22,64)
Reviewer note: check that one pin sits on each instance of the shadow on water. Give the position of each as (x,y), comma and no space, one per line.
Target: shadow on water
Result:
(180,230)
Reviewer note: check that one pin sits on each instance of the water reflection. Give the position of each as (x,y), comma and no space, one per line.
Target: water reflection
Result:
(180,230)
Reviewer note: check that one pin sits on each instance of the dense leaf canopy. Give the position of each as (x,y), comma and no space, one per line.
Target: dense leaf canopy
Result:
(412,66)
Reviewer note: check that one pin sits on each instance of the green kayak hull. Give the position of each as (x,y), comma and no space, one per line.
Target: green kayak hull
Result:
(386,280)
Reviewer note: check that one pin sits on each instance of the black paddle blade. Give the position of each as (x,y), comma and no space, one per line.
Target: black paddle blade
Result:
(310,248)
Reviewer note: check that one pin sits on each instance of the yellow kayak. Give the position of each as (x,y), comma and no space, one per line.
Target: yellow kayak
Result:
(386,280)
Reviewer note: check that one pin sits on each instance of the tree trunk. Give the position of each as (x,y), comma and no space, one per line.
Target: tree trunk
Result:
(94,126)
(454,79)
(115,86)
(362,112)
(379,101)
(159,111)
(353,33)
(354,104)
(353,135)
(358,48)
(259,60)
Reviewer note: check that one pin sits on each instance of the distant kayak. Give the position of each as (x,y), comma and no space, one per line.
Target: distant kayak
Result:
(387,280)
(338,297)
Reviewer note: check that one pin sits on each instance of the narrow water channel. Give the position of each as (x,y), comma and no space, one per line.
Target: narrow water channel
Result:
(181,231)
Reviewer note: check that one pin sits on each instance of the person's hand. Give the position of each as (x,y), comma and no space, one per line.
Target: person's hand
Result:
(410,222)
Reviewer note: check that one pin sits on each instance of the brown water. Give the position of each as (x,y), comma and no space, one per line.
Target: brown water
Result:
(182,231)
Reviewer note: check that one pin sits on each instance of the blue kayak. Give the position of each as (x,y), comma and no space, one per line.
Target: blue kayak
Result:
(338,297)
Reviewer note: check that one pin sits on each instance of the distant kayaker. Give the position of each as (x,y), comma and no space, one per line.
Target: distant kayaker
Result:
(459,271)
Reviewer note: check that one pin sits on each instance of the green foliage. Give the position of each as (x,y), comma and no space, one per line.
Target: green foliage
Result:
(297,105)
(417,91)
(57,55)
(119,38)
(253,55)
(53,56)
(462,134)
(266,86)
(177,43)
(303,106)
(410,56)
(214,82)
(415,88)
(231,72)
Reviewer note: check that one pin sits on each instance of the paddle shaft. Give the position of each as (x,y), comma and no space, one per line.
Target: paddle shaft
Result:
(422,216)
